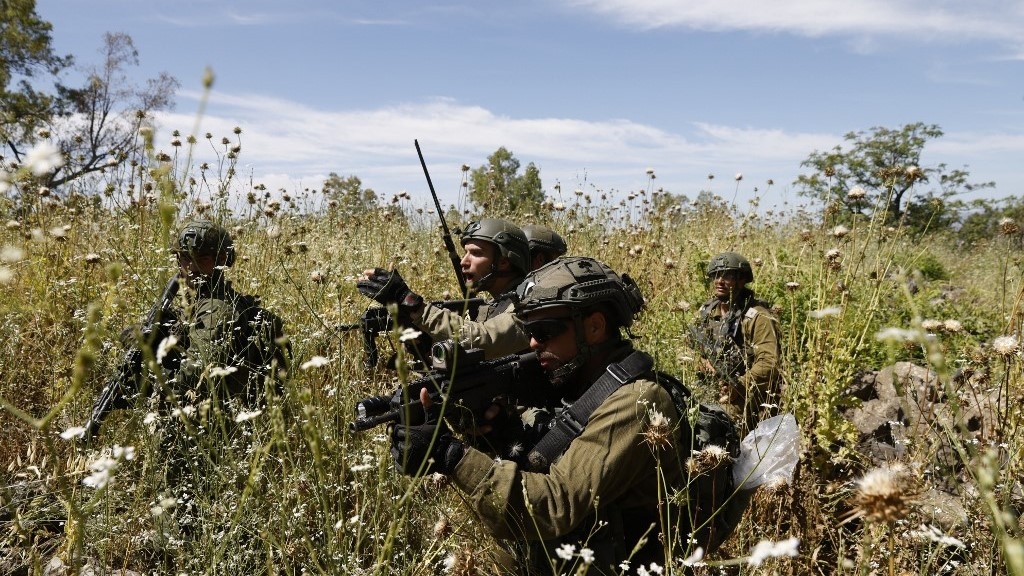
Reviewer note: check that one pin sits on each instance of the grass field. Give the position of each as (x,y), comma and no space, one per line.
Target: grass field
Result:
(304,495)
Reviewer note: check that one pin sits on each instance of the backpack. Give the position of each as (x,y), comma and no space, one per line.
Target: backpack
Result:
(714,508)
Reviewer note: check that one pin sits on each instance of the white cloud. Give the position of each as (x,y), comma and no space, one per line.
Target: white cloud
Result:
(293,146)
(934,19)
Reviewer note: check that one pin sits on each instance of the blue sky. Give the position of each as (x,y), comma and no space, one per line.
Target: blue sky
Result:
(594,92)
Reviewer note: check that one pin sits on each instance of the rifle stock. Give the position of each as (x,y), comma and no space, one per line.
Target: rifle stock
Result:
(117,390)
(469,383)
(446,235)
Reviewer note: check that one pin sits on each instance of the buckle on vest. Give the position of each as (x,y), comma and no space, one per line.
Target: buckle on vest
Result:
(618,372)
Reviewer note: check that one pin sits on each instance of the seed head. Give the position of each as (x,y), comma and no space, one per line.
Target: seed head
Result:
(855,193)
(1008,227)
(1006,346)
(658,433)
(706,460)
(952,325)
(883,495)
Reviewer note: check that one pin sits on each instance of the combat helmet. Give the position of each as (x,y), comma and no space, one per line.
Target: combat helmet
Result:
(205,238)
(730,262)
(580,283)
(544,239)
(509,238)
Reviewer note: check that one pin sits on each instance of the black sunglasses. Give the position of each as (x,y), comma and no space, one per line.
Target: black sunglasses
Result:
(546,329)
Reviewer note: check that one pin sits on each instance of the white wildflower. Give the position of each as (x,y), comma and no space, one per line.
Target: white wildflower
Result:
(840,231)
(931,325)
(825,312)
(1006,345)
(409,334)
(315,362)
(165,347)
(896,334)
(43,158)
(102,472)
(587,555)
(935,535)
(952,325)
(766,549)
(565,551)
(856,193)
(73,432)
(695,559)
(12,254)
(221,371)
(246,416)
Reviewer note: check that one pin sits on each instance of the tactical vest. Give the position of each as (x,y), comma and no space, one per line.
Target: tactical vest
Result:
(725,334)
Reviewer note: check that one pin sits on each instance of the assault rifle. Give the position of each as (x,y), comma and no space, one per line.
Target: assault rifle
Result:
(446,234)
(376,320)
(727,359)
(118,390)
(469,383)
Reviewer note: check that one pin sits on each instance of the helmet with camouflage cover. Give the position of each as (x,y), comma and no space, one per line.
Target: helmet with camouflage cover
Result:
(580,283)
(730,262)
(205,238)
(509,238)
(544,239)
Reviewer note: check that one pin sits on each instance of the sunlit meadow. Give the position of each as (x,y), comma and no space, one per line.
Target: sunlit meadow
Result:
(307,496)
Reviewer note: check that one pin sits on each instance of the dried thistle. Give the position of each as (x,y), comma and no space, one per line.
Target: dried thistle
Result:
(658,433)
(883,495)
(706,460)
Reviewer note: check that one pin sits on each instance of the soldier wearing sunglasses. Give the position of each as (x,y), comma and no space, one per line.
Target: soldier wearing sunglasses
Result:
(591,481)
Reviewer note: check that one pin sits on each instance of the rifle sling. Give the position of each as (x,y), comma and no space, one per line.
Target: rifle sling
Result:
(571,422)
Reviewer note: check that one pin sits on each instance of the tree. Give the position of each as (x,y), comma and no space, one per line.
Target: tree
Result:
(95,127)
(98,124)
(498,185)
(880,173)
(25,54)
(349,195)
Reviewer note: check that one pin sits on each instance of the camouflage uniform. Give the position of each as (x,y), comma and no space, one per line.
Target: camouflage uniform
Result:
(493,328)
(228,355)
(743,346)
(606,490)
(603,493)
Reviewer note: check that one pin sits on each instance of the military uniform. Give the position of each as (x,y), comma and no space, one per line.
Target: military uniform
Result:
(494,327)
(603,493)
(749,335)
(224,331)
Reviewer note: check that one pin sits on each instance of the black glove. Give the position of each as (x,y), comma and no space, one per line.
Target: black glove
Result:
(388,288)
(413,444)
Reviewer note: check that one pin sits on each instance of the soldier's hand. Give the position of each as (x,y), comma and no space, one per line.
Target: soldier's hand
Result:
(388,288)
(705,366)
(426,447)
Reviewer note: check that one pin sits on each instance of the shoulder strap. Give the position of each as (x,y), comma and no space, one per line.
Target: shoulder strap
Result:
(571,422)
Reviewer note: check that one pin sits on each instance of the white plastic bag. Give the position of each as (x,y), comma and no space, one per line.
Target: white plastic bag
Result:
(770,451)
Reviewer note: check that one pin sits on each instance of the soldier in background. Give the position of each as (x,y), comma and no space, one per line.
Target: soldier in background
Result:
(738,338)
(222,358)
(545,245)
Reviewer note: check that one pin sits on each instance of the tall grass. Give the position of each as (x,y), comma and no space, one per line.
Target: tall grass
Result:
(303,494)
